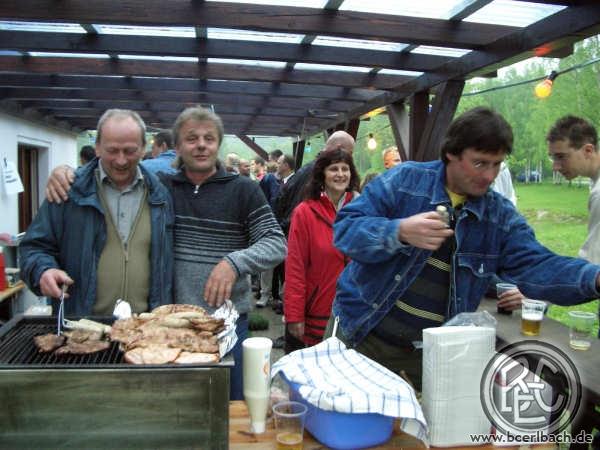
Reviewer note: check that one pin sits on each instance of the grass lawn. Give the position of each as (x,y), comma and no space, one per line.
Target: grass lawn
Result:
(558,214)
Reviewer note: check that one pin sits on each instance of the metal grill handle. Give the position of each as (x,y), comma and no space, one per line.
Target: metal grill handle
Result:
(61,311)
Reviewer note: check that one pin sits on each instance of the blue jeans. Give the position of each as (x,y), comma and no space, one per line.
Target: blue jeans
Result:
(236,384)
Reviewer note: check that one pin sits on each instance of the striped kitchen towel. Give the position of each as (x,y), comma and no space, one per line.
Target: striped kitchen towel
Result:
(334,378)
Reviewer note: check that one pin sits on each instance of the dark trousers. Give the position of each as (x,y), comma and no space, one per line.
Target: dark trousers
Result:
(292,343)
(236,381)
(402,360)
(278,279)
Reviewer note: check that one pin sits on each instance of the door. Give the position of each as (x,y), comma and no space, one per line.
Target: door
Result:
(29,198)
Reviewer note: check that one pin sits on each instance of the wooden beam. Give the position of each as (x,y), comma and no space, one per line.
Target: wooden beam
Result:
(442,112)
(173,108)
(187,98)
(254,146)
(352,127)
(283,19)
(214,48)
(400,123)
(165,106)
(179,84)
(419,110)
(184,69)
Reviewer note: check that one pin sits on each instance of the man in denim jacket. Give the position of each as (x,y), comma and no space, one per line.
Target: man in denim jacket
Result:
(411,269)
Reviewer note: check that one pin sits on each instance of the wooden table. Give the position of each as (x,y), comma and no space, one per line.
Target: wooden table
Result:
(241,439)
(587,362)
(12,291)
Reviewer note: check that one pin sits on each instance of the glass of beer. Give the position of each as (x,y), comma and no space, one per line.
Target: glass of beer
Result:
(581,325)
(532,313)
(289,424)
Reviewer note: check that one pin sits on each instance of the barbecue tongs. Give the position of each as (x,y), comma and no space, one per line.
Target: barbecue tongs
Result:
(61,310)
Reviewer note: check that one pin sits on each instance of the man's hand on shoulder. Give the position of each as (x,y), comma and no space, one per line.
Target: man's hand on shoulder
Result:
(219,284)
(51,282)
(59,184)
(425,230)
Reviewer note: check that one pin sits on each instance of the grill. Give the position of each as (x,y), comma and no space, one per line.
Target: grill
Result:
(17,349)
(99,401)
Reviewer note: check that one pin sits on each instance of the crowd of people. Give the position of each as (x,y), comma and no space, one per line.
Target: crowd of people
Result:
(185,227)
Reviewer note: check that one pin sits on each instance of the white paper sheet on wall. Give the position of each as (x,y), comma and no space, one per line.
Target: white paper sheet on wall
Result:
(10,178)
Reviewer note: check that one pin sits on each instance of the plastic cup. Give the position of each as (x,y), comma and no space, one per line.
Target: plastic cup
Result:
(257,380)
(501,288)
(581,325)
(289,425)
(532,314)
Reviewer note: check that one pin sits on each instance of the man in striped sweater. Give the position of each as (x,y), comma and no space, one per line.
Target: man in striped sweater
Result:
(224,227)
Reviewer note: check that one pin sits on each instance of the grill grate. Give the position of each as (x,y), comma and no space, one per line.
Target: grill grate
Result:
(18,349)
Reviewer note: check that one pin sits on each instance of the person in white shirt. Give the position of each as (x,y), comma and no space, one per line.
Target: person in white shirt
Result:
(573,149)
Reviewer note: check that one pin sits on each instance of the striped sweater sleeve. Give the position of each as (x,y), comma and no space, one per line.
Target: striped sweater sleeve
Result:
(267,243)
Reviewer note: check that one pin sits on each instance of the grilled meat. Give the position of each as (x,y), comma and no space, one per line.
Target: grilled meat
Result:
(208,324)
(48,342)
(81,336)
(160,336)
(82,348)
(177,308)
(197,358)
(155,354)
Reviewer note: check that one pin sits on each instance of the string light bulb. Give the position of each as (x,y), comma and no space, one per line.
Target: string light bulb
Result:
(371,143)
(544,88)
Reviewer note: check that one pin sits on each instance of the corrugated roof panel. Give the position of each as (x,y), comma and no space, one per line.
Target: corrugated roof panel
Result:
(249,62)
(160,58)
(513,13)
(440,51)
(307,66)
(433,9)
(68,55)
(358,43)
(243,35)
(408,73)
(305,3)
(146,31)
(41,26)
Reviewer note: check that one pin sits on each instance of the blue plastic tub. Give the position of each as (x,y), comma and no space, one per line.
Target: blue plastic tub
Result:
(343,431)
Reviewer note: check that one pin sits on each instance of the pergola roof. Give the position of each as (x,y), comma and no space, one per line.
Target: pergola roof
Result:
(273,70)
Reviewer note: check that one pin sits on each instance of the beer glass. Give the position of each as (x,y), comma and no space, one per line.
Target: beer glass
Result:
(501,288)
(289,425)
(581,325)
(257,379)
(532,313)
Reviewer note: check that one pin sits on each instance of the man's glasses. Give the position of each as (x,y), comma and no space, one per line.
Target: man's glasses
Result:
(483,166)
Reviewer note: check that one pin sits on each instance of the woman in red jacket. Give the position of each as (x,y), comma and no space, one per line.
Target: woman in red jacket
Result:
(313,263)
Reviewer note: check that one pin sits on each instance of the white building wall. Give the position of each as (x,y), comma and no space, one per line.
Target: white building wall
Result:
(57,147)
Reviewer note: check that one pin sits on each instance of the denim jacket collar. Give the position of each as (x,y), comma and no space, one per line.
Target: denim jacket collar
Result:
(475,205)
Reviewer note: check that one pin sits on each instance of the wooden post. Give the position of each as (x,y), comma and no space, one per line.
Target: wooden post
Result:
(438,120)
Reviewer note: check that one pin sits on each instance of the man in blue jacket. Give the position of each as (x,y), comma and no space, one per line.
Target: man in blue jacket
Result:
(411,269)
(113,238)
